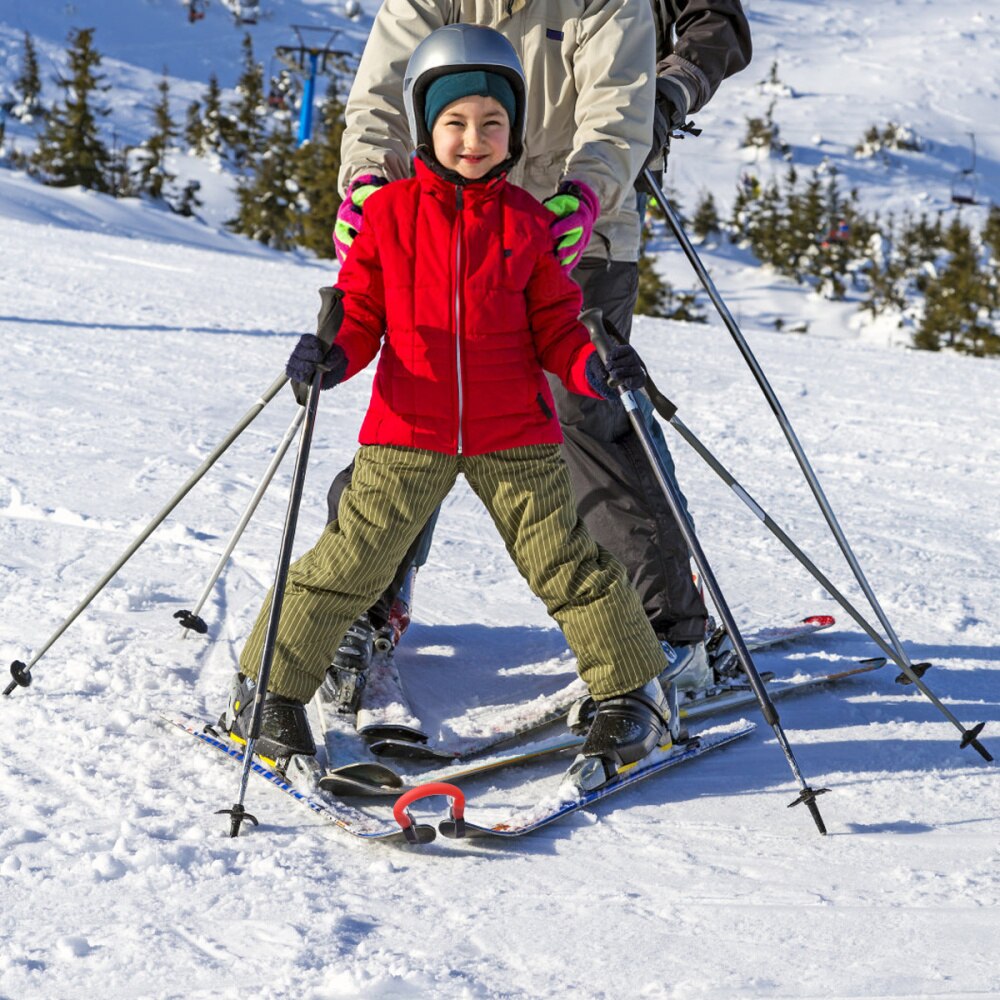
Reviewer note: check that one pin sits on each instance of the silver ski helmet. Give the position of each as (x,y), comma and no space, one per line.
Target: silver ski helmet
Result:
(457,48)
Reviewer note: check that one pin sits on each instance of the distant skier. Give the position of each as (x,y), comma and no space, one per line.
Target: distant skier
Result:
(454,279)
(593,111)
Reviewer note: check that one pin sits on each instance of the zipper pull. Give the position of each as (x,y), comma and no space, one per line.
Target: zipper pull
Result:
(459,191)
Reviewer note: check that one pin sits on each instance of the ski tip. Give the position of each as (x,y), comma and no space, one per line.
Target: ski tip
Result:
(820,621)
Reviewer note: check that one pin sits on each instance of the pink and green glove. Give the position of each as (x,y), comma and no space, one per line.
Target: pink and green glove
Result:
(576,209)
(349,215)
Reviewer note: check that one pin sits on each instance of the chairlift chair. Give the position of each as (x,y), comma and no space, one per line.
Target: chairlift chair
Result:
(965,183)
(248,11)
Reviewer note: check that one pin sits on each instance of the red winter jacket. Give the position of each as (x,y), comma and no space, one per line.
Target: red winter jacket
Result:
(462,285)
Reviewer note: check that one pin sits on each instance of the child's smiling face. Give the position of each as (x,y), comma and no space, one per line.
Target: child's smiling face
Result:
(471,136)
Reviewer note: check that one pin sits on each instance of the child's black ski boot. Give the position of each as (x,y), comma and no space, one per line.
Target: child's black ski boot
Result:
(624,730)
(284,727)
(346,676)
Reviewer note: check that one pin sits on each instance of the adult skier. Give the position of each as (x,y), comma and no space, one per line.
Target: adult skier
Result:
(607,81)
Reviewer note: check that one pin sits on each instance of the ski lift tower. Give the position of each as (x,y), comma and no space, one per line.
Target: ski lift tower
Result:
(309,60)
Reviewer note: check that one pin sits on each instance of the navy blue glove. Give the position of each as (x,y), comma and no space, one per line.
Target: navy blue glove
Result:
(623,368)
(309,353)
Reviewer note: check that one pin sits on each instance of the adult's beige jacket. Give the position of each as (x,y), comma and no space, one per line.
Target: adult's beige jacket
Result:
(590,67)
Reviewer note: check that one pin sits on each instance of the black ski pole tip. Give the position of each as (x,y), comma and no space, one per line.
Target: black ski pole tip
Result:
(808,796)
(194,622)
(236,816)
(969,738)
(21,674)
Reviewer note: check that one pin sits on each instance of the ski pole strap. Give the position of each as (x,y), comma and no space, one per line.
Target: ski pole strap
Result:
(456,807)
(663,406)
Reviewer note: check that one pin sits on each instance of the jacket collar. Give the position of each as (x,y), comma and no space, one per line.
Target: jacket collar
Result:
(432,176)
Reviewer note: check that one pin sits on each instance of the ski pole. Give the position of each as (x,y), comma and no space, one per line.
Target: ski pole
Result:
(668,411)
(328,323)
(594,322)
(969,736)
(192,620)
(21,672)
(238,812)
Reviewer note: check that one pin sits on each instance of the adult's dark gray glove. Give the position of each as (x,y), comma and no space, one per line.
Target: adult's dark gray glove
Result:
(668,114)
(309,354)
(622,368)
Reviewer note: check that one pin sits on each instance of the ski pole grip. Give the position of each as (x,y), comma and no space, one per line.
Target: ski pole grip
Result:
(593,320)
(331,314)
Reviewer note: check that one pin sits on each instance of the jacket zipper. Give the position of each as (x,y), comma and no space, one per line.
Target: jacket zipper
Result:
(458,309)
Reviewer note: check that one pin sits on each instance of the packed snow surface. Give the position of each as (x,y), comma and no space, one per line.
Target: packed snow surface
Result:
(133,342)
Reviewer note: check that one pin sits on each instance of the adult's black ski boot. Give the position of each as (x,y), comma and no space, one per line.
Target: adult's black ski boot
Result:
(624,730)
(347,674)
(284,727)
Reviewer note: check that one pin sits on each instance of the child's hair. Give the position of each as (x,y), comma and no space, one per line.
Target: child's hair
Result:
(454,86)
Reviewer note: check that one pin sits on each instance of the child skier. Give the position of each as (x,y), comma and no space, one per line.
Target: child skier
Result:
(454,278)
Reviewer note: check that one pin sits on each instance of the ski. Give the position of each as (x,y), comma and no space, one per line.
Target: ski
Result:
(385,783)
(333,811)
(567,798)
(381,781)
(741,695)
(513,721)
(385,711)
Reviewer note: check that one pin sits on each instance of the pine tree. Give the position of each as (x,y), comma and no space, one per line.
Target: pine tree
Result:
(884,274)
(208,130)
(959,300)
(318,169)
(706,221)
(153,176)
(188,200)
(764,133)
(194,128)
(266,197)
(655,294)
(70,150)
(920,244)
(246,130)
(991,235)
(767,225)
(28,86)
(119,173)
(748,191)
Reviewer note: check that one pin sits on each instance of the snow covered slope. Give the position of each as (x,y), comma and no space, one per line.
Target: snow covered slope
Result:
(126,360)
(132,341)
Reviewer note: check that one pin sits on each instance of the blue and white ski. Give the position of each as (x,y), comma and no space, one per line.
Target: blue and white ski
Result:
(334,811)
(567,798)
